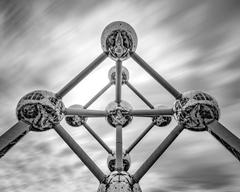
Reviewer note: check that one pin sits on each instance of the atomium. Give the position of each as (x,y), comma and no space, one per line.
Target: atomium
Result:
(119,182)
(111,162)
(75,120)
(195,110)
(112,75)
(119,39)
(161,120)
(118,114)
(41,109)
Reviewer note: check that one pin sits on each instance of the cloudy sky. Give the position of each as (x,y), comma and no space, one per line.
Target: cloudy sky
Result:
(193,44)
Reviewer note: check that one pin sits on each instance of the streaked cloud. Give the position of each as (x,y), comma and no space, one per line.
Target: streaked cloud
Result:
(193,44)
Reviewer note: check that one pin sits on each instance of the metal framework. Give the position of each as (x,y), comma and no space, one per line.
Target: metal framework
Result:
(44,110)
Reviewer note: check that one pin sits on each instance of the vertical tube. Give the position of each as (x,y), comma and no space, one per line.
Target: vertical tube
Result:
(156,76)
(157,153)
(100,141)
(226,138)
(119,152)
(81,75)
(118,81)
(97,95)
(80,153)
(140,95)
(130,148)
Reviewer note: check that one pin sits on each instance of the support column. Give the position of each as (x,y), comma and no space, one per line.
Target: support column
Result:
(119,151)
(118,81)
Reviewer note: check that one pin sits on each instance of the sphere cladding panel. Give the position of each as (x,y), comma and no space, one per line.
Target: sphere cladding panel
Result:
(111,162)
(42,109)
(119,182)
(118,114)
(112,74)
(75,120)
(162,120)
(119,39)
(196,109)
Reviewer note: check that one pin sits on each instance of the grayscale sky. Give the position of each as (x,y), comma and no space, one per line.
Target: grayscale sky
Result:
(193,44)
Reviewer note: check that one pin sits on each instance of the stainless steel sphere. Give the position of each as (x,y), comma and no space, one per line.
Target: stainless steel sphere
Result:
(196,109)
(162,120)
(75,120)
(118,114)
(119,182)
(119,39)
(41,109)
(112,75)
(111,162)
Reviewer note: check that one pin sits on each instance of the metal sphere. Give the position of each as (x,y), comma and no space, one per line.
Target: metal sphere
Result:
(119,39)
(41,109)
(111,162)
(75,120)
(119,182)
(112,75)
(196,109)
(118,114)
(161,120)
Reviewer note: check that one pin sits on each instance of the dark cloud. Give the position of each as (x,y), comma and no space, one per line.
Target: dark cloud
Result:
(158,190)
(68,170)
(217,12)
(222,11)
(78,165)
(66,8)
(205,25)
(16,15)
(65,152)
(233,65)
(203,177)
(180,9)
(44,148)
(232,92)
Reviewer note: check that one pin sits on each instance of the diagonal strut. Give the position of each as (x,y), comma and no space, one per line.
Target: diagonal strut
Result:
(157,153)
(156,76)
(140,137)
(97,95)
(100,141)
(139,95)
(81,75)
(96,171)
(226,138)
(12,136)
